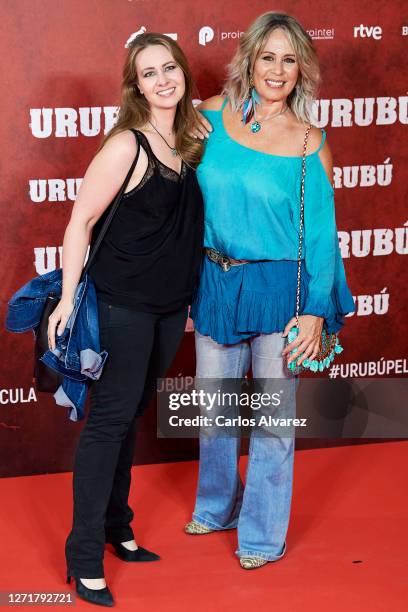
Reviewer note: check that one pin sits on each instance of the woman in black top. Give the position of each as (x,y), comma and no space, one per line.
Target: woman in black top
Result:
(144,274)
(150,257)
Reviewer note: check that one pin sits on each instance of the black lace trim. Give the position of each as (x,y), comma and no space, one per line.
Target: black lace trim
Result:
(152,163)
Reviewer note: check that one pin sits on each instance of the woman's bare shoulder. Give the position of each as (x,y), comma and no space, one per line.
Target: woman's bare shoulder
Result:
(116,155)
(213,103)
(315,139)
(122,144)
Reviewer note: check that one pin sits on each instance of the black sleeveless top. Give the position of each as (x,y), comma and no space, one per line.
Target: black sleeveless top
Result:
(151,254)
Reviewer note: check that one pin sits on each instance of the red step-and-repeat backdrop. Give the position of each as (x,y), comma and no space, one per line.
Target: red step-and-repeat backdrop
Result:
(61,67)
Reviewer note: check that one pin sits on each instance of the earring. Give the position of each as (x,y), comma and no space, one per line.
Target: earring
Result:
(248,107)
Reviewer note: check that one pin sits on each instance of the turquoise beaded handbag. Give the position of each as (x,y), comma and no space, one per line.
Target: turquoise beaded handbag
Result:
(329,343)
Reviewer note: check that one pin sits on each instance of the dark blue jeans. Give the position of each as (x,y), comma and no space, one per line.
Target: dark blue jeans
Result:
(141,348)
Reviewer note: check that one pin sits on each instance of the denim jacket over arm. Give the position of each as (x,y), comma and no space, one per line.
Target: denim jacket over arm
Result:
(77,356)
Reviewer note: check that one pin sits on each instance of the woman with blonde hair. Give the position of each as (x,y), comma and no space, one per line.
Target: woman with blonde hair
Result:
(251,177)
(144,274)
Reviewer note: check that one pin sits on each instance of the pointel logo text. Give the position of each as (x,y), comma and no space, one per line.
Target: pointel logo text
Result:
(205,35)
(321,33)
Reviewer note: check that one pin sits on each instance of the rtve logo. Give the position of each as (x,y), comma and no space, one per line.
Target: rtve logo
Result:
(368,31)
(205,35)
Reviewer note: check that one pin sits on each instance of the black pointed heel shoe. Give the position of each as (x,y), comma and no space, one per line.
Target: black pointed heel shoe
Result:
(139,555)
(101,597)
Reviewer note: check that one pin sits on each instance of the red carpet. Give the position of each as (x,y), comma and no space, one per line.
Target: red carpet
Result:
(349,504)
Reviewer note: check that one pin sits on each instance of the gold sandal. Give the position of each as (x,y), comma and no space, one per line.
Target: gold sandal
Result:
(194,528)
(252,562)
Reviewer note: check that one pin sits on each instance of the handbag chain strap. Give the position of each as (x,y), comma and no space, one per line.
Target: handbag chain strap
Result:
(302,205)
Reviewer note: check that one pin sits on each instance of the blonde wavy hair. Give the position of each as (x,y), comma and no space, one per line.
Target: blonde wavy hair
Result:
(134,110)
(237,85)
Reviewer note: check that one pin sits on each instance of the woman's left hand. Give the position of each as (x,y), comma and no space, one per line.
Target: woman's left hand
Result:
(307,341)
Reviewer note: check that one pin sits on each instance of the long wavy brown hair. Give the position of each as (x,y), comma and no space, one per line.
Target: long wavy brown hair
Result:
(134,110)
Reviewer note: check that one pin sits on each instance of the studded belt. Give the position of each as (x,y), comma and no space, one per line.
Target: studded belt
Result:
(224,261)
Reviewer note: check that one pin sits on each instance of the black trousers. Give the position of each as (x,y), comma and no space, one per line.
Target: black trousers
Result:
(141,347)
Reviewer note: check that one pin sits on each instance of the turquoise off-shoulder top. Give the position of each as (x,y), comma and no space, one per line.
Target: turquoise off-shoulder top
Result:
(252,211)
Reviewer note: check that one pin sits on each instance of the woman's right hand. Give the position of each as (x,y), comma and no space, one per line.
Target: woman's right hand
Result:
(58,319)
(203,127)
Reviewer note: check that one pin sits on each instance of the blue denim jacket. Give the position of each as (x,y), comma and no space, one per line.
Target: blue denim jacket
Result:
(77,356)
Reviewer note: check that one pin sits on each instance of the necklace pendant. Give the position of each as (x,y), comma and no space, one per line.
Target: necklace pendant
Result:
(255,127)
(174,151)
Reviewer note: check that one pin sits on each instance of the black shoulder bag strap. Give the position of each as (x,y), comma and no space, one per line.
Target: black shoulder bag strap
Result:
(114,208)
(46,379)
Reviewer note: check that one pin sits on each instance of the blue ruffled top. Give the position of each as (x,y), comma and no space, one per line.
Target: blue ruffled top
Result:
(252,211)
